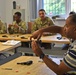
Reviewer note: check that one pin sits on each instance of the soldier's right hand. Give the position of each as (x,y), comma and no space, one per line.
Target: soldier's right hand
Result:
(9,25)
(16,26)
(36,35)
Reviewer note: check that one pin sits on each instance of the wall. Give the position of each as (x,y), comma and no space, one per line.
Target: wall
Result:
(59,22)
(2,10)
(9,6)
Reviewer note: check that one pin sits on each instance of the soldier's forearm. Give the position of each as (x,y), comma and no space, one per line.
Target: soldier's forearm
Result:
(22,30)
(2,31)
(52,29)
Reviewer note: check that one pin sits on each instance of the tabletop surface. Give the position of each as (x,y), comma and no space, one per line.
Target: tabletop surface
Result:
(26,38)
(4,48)
(38,67)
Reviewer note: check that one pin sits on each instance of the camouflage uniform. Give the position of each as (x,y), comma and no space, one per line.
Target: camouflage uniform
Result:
(21,29)
(39,24)
(2,28)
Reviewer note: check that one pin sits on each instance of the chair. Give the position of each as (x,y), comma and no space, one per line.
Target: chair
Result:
(29,30)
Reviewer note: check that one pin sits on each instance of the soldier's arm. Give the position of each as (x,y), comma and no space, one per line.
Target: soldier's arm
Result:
(22,28)
(10,28)
(53,29)
(3,29)
(51,22)
(34,27)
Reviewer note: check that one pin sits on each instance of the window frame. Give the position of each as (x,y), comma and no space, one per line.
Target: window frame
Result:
(67,7)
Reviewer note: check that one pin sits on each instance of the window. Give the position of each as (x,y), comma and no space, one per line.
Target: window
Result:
(54,7)
(73,5)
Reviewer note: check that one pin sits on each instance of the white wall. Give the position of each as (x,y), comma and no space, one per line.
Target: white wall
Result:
(59,22)
(9,6)
(2,10)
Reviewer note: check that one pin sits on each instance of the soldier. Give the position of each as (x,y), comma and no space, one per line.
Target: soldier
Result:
(42,21)
(2,28)
(18,25)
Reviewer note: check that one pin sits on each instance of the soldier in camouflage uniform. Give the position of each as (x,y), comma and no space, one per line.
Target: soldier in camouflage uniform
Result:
(42,21)
(18,25)
(2,28)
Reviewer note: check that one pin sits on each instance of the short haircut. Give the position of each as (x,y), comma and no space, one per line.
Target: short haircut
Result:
(73,18)
(18,13)
(72,12)
(41,10)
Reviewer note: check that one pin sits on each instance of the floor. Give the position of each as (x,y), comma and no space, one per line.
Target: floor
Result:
(55,52)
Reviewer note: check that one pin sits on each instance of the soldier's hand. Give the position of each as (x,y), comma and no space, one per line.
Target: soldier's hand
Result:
(16,26)
(36,35)
(9,25)
(36,48)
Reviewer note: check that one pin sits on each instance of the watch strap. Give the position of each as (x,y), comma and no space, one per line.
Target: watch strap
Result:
(42,56)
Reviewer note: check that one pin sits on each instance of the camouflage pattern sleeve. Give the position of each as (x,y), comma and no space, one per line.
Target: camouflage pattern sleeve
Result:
(34,27)
(17,28)
(50,22)
(3,28)
(11,29)
(22,28)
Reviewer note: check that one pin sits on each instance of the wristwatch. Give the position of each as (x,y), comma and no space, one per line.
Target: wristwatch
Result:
(42,56)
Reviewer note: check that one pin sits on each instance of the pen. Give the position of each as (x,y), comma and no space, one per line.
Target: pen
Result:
(7,68)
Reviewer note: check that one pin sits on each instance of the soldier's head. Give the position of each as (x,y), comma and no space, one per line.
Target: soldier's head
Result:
(17,16)
(42,13)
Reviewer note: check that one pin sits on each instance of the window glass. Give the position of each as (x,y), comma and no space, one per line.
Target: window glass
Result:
(73,5)
(54,7)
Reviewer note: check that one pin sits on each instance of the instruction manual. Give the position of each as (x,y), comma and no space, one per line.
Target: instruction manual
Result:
(11,42)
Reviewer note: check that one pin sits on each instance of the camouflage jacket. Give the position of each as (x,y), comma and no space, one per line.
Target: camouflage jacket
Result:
(38,23)
(3,28)
(21,29)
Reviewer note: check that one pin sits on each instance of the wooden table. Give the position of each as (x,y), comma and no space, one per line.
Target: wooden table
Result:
(4,48)
(44,39)
(37,68)
(15,37)
(53,39)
